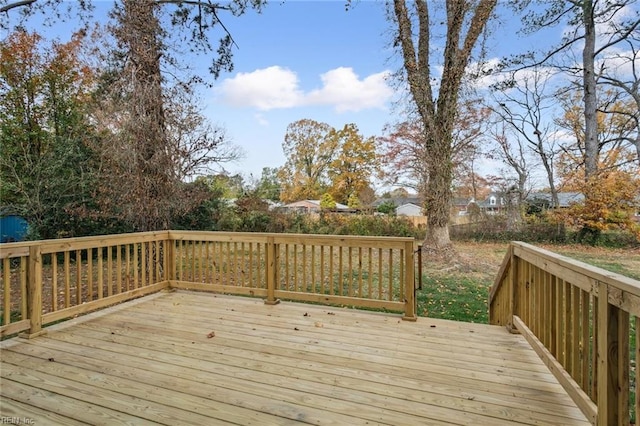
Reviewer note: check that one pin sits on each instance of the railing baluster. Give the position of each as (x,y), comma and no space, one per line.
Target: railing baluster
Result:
(340,272)
(78,277)
(360,272)
(313,269)
(575,333)
(110,270)
(24,273)
(89,273)
(136,265)
(380,292)
(636,401)
(585,340)
(6,282)
(331,277)
(54,282)
(370,273)
(119,268)
(201,273)
(100,273)
(390,263)
(67,280)
(322,269)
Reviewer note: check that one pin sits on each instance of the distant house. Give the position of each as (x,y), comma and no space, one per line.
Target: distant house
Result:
(409,209)
(460,206)
(495,203)
(309,206)
(397,201)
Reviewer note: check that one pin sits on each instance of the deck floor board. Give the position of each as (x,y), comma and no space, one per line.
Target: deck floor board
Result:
(197,358)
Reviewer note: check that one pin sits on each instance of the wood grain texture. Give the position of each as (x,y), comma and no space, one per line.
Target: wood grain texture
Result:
(194,358)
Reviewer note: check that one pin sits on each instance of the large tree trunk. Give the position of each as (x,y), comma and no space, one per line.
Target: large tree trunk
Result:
(149,187)
(590,99)
(438,196)
(465,22)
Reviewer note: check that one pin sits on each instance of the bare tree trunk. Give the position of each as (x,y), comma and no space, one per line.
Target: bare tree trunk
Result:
(465,22)
(150,188)
(438,196)
(590,99)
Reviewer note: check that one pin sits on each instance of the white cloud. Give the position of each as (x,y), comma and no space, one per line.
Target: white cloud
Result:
(343,89)
(276,88)
(265,89)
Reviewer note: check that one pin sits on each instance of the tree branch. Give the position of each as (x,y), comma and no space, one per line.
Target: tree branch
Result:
(10,6)
(208,5)
(617,40)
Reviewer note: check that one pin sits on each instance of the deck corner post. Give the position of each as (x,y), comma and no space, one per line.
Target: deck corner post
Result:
(513,289)
(34,293)
(409,283)
(612,361)
(271,271)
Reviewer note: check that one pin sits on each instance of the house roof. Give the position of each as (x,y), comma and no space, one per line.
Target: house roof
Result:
(312,203)
(409,209)
(498,196)
(398,201)
(565,199)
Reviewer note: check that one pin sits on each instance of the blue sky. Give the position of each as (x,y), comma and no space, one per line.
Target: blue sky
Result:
(302,60)
(314,60)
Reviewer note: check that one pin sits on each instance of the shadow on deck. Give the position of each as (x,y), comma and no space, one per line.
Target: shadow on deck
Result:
(197,358)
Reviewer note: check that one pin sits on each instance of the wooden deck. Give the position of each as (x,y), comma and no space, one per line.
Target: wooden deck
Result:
(196,358)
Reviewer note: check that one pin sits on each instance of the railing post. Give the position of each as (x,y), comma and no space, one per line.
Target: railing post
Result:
(34,293)
(170,251)
(409,283)
(612,361)
(272,271)
(514,276)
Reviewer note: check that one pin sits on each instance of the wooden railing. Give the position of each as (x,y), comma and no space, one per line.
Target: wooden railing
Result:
(46,281)
(584,322)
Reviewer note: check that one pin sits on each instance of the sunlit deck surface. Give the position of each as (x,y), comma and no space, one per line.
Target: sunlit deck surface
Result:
(197,358)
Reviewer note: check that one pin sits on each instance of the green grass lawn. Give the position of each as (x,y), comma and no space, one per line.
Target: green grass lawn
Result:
(454,298)
(460,292)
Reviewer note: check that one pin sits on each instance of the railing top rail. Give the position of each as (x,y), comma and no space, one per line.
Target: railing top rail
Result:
(11,250)
(79,243)
(257,235)
(593,273)
(291,238)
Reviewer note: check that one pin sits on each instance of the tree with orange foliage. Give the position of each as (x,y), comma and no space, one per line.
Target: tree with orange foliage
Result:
(615,200)
(350,172)
(45,157)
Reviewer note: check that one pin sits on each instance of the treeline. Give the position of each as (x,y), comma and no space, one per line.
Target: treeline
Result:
(78,150)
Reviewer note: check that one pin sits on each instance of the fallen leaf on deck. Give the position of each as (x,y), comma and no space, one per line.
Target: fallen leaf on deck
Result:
(210,335)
